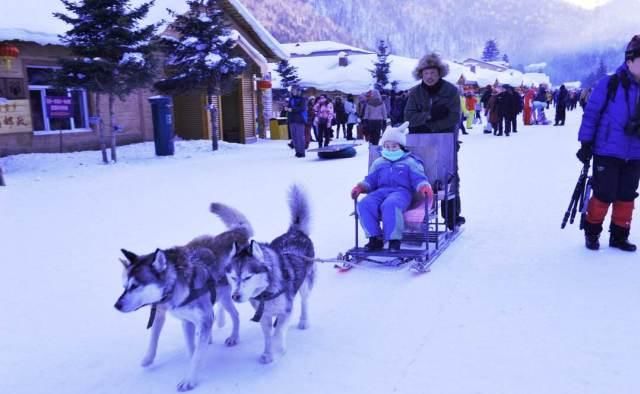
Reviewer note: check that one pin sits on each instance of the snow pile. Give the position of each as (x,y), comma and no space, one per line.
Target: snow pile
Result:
(515,305)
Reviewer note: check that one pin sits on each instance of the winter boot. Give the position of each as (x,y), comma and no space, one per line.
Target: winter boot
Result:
(619,238)
(394,245)
(592,235)
(375,243)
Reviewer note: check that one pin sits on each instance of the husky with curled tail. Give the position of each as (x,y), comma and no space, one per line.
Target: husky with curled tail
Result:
(186,281)
(269,275)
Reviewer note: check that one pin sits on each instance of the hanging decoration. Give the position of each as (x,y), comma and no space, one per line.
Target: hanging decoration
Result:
(8,53)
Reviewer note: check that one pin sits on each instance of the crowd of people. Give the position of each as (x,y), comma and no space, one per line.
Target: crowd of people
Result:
(435,105)
(495,108)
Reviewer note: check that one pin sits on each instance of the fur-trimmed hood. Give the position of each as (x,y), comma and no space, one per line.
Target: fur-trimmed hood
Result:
(431,60)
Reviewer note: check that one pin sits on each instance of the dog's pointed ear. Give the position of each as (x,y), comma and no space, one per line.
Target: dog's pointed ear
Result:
(159,261)
(125,263)
(256,251)
(131,257)
(234,249)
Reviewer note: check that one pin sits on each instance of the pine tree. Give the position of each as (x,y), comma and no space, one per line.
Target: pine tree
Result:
(201,58)
(491,52)
(111,53)
(381,73)
(601,71)
(288,74)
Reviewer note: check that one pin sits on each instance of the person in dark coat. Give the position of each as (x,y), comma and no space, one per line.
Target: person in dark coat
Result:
(610,133)
(341,117)
(561,106)
(433,106)
(511,107)
(296,119)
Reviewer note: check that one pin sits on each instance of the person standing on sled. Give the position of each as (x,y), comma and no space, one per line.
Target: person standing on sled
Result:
(392,180)
(610,132)
(433,106)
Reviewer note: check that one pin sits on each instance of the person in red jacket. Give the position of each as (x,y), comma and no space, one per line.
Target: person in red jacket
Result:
(528,102)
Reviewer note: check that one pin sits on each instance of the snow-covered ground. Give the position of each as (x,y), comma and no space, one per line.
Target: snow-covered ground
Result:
(515,306)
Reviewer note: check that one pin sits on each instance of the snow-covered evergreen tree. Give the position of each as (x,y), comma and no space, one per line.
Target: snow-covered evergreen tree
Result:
(491,52)
(288,73)
(202,56)
(383,66)
(111,53)
(595,76)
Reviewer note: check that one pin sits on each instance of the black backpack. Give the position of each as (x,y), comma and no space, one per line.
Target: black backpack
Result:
(612,86)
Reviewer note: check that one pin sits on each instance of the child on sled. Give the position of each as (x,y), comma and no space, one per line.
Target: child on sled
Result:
(392,180)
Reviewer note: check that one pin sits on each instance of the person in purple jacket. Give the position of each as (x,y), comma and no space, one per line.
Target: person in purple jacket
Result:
(610,132)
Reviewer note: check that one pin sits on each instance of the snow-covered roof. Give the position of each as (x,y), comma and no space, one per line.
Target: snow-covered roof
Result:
(536,79)
(30,36)
(313,47)
(535,67)
(258,29)
(323,72)
(32,20)
(573,85)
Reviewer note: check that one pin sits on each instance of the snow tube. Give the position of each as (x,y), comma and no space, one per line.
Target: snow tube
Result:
(343,153)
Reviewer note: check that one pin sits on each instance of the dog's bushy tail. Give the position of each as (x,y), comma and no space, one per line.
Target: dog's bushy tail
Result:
(231,217)
(299,207)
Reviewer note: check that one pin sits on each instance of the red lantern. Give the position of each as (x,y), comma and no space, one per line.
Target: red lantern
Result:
(8,52)
(264,85)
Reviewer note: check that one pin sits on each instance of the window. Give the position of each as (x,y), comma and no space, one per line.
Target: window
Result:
(39,89)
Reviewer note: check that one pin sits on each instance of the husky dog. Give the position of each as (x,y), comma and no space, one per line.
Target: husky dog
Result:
(270,275)
(186,281)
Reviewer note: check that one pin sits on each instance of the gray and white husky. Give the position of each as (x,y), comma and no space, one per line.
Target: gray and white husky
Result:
(186,281)
(270,275)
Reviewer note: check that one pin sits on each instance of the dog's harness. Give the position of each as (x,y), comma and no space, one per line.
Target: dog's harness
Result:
(194,294)
(262,298)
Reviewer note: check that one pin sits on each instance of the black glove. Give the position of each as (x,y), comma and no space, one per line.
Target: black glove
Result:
(439,111)
(585,152)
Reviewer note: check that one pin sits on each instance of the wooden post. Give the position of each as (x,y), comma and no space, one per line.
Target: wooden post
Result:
(2,178)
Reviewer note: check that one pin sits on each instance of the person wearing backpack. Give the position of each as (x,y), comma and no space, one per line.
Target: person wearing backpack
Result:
(610,133)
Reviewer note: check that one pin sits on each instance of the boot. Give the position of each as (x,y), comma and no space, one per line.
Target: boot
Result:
(375,243)
(619,238)
(394,245)
(592,235)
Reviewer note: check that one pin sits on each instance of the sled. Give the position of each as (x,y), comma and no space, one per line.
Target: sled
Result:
(424,241)
(337,151)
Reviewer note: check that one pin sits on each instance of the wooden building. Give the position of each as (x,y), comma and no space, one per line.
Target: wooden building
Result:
(25,124)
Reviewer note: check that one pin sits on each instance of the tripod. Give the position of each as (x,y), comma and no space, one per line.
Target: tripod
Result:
(579,198)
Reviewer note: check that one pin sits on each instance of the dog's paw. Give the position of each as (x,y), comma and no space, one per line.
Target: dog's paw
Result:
(303,325)
(231,341)
(266,358)
(147,360)
(186,385)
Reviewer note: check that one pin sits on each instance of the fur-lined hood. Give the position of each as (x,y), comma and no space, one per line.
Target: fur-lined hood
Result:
(431,60)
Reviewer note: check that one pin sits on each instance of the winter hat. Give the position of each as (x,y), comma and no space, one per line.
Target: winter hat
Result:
(431,60)
(396,134)
(633,48)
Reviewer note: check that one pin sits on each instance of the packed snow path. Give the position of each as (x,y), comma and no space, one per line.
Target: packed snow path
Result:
(516,305)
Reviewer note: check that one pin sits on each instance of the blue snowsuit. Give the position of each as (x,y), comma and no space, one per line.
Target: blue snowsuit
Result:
(390,185)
